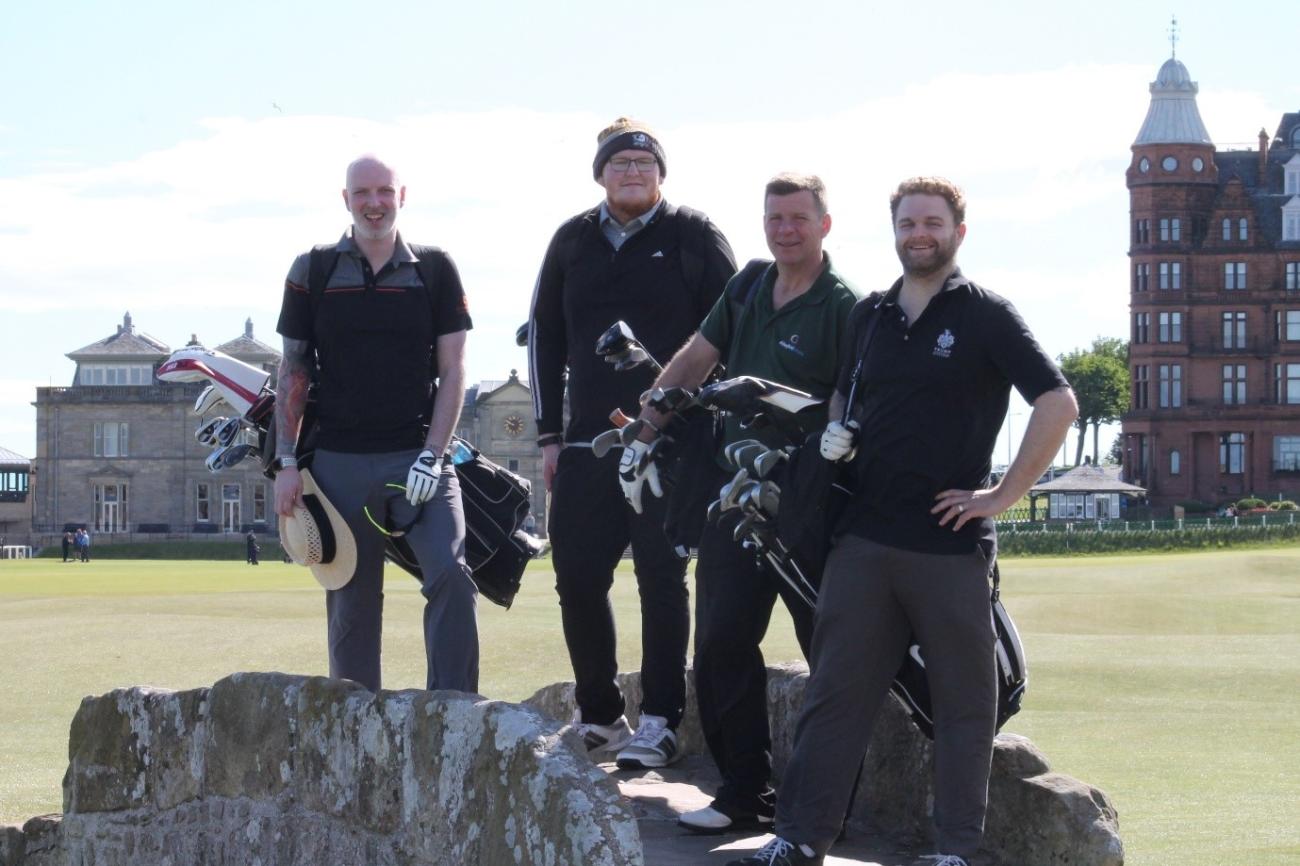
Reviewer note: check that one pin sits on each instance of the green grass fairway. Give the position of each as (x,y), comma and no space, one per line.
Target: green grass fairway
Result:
(1171,682)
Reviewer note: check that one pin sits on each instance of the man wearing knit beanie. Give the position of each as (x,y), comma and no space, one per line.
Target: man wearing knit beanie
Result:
(658,267)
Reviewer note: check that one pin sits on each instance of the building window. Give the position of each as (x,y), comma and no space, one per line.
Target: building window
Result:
(1232,453)
(512,464)
(110,507)
(1286,453)
(1292,167)
(1171,386)
(259,503)
(111,438)
(1291,221)
(1286,325)
(1234,275)
(1141,277)
(1286,384)
(1293,276)
(1140,387)
(1142,231)
(116,374)
(1171,328)
(202,503)
(1227,229)
(1171,275)
(1175,462)
(1234,384)
(1141,327)
(1234,330)
(13,486)
(1243,231)
(1171,230)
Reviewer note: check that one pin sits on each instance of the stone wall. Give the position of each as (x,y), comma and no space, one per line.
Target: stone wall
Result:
(1035,817)
(277,769)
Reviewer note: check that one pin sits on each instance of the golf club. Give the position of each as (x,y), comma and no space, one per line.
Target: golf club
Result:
(765,463)
(207,433)
(227,432)
(208,400)
(213,463)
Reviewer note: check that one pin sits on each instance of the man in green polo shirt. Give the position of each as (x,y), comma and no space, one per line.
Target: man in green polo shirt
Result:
(789,330)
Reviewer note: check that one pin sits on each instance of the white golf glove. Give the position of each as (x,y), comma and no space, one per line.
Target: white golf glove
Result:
(422,480)
(633,481)
(837,441)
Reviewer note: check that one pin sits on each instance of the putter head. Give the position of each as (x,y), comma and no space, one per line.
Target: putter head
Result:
(207,433)
(765,463)
(605,442)
(521,334)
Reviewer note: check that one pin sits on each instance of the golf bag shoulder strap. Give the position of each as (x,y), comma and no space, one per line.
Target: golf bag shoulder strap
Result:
(860,352)
(743,289)
(692,232)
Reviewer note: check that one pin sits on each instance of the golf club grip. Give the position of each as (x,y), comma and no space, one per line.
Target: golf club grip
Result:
(618,419)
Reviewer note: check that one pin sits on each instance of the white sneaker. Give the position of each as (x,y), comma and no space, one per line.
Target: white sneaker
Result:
(718,818)
(945,860)
(603,738)
(654,745)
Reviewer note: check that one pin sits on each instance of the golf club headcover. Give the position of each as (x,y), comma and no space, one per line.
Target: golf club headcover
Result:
(422,480)
(635,470)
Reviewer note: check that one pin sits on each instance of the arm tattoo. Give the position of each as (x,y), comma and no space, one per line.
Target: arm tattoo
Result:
(291,394)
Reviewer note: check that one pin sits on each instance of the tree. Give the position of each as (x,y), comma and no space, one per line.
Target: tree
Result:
(1099,377)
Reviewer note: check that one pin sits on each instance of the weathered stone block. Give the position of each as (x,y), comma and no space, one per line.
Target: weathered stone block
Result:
(251,731)
(13,844)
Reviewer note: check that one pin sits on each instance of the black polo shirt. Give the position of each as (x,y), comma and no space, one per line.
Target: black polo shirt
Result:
(931,400)
(375,337)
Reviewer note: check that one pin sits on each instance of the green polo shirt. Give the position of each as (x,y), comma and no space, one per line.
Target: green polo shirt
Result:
(797,345)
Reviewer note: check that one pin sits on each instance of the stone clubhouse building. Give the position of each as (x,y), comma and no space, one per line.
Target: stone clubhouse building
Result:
(116,454)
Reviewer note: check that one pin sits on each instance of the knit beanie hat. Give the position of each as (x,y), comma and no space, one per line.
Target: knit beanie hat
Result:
(627,134)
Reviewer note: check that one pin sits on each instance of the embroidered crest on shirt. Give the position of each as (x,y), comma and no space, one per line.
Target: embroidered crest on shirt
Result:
(792,344)
(943,346)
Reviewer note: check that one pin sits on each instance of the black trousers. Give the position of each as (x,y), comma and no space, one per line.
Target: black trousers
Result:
(590,527)
(734,596)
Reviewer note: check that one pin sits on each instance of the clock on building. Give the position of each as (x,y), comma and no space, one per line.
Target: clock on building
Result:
(513,424)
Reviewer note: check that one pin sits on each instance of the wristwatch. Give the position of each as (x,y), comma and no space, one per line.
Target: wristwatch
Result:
(284,463)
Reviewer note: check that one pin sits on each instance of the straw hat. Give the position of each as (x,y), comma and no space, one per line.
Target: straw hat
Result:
(317,536)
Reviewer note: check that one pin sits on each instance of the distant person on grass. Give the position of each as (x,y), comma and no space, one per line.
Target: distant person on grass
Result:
(253,549)
(388,352)
(917,542)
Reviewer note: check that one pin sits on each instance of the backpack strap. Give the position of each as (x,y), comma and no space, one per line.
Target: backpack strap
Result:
(691,232)
(323,259)
(863,344)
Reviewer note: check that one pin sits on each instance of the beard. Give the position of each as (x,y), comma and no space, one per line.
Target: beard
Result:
(929,262)
(363,229)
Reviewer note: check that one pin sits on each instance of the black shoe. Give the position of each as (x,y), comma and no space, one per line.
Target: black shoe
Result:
(719,817)
(779,852)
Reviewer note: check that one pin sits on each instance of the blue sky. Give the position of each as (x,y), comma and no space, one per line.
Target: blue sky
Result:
(171,158)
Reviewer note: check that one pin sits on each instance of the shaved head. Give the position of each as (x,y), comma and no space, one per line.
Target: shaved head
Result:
(369,160)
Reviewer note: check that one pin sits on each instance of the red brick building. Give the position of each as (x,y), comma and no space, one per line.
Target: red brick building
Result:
(1215,306)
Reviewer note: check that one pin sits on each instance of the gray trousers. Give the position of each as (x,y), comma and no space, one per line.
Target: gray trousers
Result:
(872,599)
(355,612)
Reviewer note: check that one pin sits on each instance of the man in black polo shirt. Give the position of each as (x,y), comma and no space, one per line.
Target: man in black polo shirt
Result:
(388,352)
(789,330)
(659,268)
(917,543)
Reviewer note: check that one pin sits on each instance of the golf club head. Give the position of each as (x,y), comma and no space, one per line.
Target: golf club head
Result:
(765,463)
(635,356)
(605,442)
(236,454)
(209,398)
(615,340)
(207,433)
(731,450)
(213,463)
(714,510)
(769,499)
(629,433)
(729,495)
(747,499)
(745,457)
(742,528)
(228,432)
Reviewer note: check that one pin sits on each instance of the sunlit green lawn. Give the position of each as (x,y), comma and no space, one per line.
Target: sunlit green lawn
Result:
(1171,682)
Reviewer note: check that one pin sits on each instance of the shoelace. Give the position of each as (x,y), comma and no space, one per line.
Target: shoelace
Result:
(769,853)
(945,860)
(648,733)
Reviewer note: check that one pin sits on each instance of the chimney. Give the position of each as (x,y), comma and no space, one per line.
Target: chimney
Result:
(126,324)
(1263,156)
(248,328)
